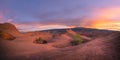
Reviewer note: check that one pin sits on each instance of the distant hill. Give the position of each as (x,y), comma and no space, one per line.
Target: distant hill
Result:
(85,31)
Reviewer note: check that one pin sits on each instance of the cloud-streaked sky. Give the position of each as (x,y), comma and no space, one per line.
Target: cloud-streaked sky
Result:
(31,15)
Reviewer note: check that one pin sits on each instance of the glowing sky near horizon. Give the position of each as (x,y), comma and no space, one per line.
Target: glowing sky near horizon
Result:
(31,15)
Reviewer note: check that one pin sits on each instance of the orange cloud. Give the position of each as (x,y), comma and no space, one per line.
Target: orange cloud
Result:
(104,24)
(112,26)
(104,19)
(99,22)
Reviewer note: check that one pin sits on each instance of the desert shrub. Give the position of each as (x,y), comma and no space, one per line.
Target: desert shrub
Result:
(76,40)
(40,41)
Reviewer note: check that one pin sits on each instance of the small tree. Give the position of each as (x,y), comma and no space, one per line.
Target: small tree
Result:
(76,40)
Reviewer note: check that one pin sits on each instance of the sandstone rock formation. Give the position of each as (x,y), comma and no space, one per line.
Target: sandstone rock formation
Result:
(6,36)
(9,28)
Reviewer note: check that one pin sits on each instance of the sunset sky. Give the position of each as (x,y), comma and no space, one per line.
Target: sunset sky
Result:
(32,15)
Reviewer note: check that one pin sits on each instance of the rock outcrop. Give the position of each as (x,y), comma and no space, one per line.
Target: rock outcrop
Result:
(9,28)
(6,36)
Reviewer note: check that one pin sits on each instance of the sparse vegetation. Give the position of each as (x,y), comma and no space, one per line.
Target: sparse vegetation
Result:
(76,40)
(40,41)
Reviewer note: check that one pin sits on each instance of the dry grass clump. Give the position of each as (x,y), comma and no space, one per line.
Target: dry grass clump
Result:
(76,40)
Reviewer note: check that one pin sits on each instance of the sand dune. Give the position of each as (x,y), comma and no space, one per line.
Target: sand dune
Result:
(59,47)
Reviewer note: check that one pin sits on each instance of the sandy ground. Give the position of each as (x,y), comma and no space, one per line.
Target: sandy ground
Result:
(23,48)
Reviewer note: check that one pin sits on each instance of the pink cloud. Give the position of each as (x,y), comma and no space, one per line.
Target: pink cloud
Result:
(107,13)
(1,17)
(10,20)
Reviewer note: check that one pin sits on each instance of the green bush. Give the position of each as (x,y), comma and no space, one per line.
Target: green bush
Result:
(40,41)
(76,40)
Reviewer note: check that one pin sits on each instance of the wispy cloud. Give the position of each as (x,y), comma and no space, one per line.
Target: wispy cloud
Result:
(37,27)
